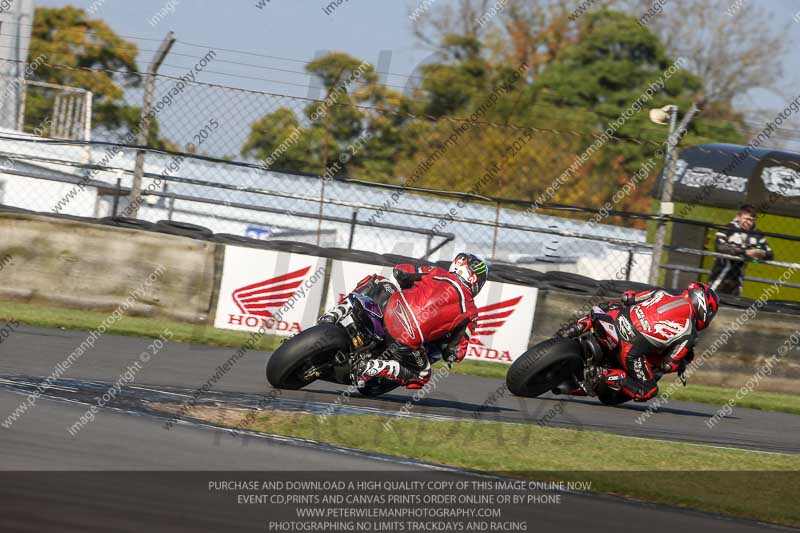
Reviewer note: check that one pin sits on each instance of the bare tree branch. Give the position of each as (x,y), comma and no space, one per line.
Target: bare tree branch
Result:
(733,47)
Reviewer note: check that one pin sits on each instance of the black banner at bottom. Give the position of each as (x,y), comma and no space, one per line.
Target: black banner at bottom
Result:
(407,501)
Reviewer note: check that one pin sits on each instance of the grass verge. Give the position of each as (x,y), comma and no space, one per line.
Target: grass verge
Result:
(756,485)
(54,317)
(765,401)
(133,326)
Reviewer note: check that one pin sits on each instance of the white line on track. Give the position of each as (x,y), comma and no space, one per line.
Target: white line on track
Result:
(160,391)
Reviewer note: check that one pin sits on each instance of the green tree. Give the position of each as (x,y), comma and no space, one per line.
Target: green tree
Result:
(582,76)
(614,63)
(88,54)
(334,135)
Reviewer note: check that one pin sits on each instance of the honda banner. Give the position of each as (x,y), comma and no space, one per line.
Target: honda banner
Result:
(277,290)
(505,311)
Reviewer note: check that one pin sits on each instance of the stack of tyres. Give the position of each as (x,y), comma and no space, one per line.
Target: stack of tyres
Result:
(127,222)
(518,275)
(356,256)
(570,282)
(395,259)
(184,229)
(293,247)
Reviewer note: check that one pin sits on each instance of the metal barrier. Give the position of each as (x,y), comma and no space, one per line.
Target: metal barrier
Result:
(242,198)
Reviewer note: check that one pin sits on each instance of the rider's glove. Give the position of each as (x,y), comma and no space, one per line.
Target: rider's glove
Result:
(671,365)
(406,275)
(606,306)
(581,326)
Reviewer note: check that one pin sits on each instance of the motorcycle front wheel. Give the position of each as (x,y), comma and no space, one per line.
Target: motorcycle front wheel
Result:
(544,366)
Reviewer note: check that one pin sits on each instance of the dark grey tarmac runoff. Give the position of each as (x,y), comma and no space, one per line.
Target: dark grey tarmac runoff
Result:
(35,351)
(118,442)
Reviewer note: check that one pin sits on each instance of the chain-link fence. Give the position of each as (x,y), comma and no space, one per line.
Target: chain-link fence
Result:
(214,162)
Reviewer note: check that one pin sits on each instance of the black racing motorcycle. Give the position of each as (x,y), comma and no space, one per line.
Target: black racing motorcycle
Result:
(572,365)
(333,351)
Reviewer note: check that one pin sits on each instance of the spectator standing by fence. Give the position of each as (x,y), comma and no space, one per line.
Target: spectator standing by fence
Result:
(727,275)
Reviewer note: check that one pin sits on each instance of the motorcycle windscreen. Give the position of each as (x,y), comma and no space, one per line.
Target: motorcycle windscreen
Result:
(373,311)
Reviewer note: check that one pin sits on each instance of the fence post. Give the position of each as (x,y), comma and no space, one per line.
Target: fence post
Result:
(116,197)
(630,265)
(144,120)
(352,229)
(666,205)
(23,98)
(87,124)
(496,228)
(321,210)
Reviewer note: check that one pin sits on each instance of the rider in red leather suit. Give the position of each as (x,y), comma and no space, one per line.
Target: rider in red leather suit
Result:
(433,306)
(652,323)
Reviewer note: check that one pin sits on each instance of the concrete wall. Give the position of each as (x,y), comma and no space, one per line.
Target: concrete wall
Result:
(92,266)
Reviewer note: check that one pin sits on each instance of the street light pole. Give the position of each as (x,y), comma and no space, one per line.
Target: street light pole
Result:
(671,158)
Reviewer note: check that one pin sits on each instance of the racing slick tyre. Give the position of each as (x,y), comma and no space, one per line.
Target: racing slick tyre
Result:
(735,301)
(184,229)
(782,306)
(358,256)
(611,397)
(518,275)
(613,288)
(544,367)
(128,222)
(292,247)
(289,366)
(240,240)
(570,282)
(395,259)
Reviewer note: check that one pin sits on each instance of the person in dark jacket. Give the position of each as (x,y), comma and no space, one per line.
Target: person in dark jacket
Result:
(727,275)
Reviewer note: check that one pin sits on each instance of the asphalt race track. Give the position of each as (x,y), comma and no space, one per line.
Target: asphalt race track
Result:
(136,440)
(35,351)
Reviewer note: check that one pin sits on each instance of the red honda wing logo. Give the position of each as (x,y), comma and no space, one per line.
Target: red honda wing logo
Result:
(492,317)
(258,298)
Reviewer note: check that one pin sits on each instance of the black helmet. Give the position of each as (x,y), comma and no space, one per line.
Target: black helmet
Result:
(471,270)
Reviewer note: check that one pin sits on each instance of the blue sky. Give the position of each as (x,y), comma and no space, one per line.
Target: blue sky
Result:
(284,28)
(300,29)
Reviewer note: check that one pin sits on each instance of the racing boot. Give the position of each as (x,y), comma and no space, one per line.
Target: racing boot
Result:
(391,370)
(613,377)
(376,368)
(571,387)
(337,313)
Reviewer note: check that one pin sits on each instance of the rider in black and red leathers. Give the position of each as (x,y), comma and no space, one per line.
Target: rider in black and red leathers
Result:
(432,306)
(652,323)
